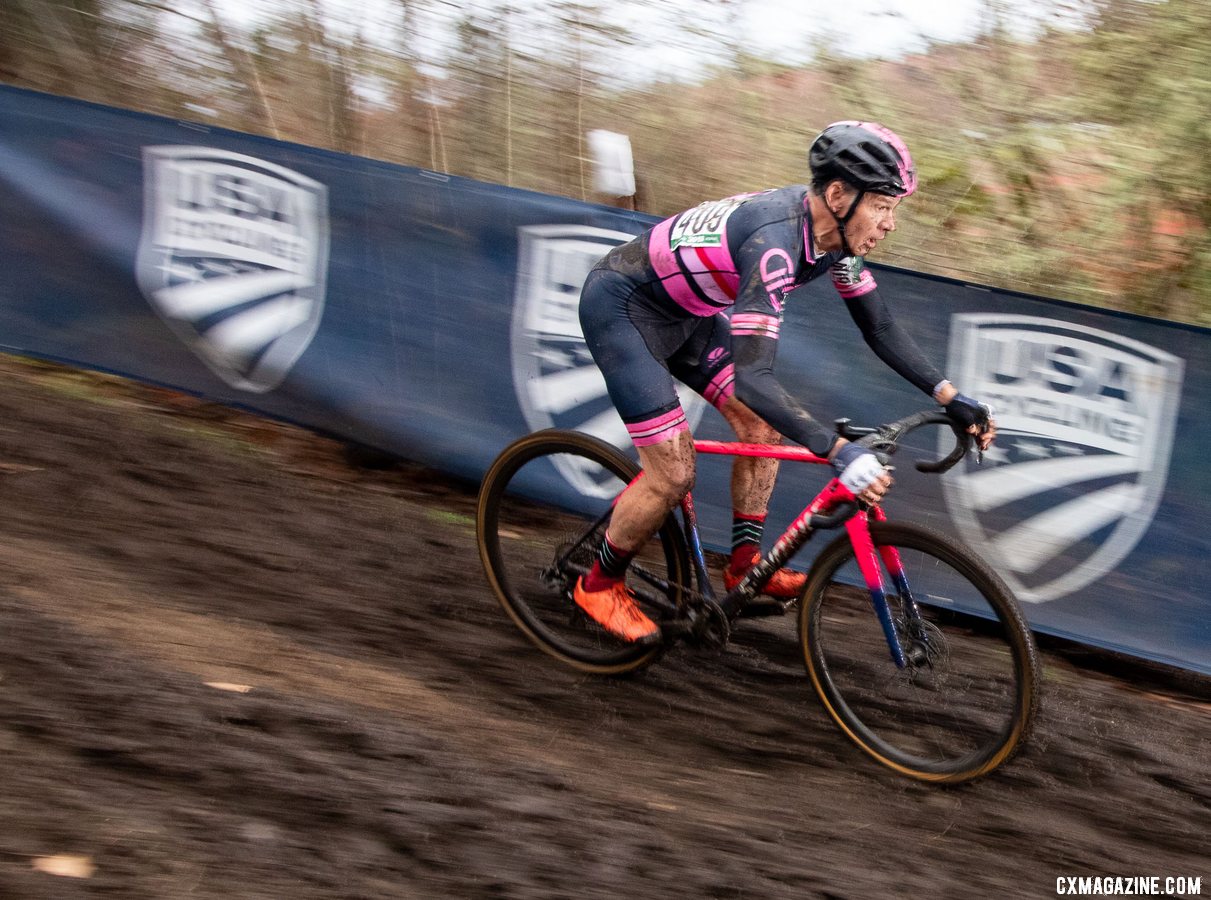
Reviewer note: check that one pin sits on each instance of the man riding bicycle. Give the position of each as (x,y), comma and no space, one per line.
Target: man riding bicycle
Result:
(700,297)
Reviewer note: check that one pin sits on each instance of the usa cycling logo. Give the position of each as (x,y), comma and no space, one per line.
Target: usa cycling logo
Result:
(234,258)
(1086,421)
(556,381)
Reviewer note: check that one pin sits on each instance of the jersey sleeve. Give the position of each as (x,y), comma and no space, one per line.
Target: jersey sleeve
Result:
(851,278)
(766,264)
(891,342)
(759,390)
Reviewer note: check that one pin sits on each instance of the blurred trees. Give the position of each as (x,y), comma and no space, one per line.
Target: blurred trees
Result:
(1070,163)
(101,50)
(1145,74)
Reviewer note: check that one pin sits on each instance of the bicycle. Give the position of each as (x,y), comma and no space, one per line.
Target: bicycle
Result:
(916,648)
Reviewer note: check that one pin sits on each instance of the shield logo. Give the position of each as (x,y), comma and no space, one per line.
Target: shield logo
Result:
(556,381)
(234,257)
(1086,421)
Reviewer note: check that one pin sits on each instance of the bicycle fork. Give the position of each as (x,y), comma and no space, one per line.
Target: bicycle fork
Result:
(868,558)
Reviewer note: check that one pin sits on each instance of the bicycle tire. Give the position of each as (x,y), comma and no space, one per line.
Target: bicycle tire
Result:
(518,551)
(953,717)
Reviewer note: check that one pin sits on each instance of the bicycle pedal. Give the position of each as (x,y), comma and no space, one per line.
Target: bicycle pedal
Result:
(763,606)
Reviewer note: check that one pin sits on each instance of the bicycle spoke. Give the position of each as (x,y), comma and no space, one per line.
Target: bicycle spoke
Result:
(563,484)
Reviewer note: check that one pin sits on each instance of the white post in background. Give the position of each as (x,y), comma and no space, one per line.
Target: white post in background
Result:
(613,167)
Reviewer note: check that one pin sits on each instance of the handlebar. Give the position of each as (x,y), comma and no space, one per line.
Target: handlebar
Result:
(886,438)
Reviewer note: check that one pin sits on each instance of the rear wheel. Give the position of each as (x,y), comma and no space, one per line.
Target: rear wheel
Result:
(965,701)
(543,508)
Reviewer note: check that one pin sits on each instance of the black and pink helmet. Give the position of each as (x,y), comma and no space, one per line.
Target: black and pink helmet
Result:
(866,155)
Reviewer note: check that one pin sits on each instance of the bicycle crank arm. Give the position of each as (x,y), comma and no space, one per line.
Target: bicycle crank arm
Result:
(704,625)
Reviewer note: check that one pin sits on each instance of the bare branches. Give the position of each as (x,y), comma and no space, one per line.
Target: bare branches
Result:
(245,69)
(1064,159)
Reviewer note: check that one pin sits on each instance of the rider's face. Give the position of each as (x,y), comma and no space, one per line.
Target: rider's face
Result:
(874,219)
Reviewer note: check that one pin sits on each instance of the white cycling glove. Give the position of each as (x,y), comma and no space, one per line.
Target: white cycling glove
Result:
(858,468)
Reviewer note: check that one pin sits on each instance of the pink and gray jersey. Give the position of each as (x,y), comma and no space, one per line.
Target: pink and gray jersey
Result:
(742,256)
(745,252)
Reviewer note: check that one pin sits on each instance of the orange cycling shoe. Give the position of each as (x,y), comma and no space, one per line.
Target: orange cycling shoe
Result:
(785,584)
(615,610)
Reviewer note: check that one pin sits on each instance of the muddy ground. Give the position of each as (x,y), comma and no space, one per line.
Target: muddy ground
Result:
(232,665)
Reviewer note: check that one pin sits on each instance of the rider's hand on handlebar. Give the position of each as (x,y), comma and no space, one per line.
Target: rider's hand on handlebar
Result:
(973,417)
(861,472)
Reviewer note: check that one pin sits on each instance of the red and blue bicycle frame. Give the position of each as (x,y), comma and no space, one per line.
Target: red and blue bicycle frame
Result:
(833,506)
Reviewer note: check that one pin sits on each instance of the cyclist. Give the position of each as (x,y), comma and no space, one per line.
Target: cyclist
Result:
(700,297)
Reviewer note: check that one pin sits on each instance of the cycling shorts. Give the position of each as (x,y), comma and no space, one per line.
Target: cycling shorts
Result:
(640,348)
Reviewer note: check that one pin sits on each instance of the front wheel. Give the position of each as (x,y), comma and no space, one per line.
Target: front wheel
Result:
(543,509)
(964,702)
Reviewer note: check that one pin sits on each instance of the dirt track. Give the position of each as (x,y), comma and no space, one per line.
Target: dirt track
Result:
(232,666)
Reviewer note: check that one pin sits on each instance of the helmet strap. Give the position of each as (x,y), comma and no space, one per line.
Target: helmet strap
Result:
(842,221)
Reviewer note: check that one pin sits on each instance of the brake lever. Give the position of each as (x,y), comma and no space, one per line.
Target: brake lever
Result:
(882,441)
